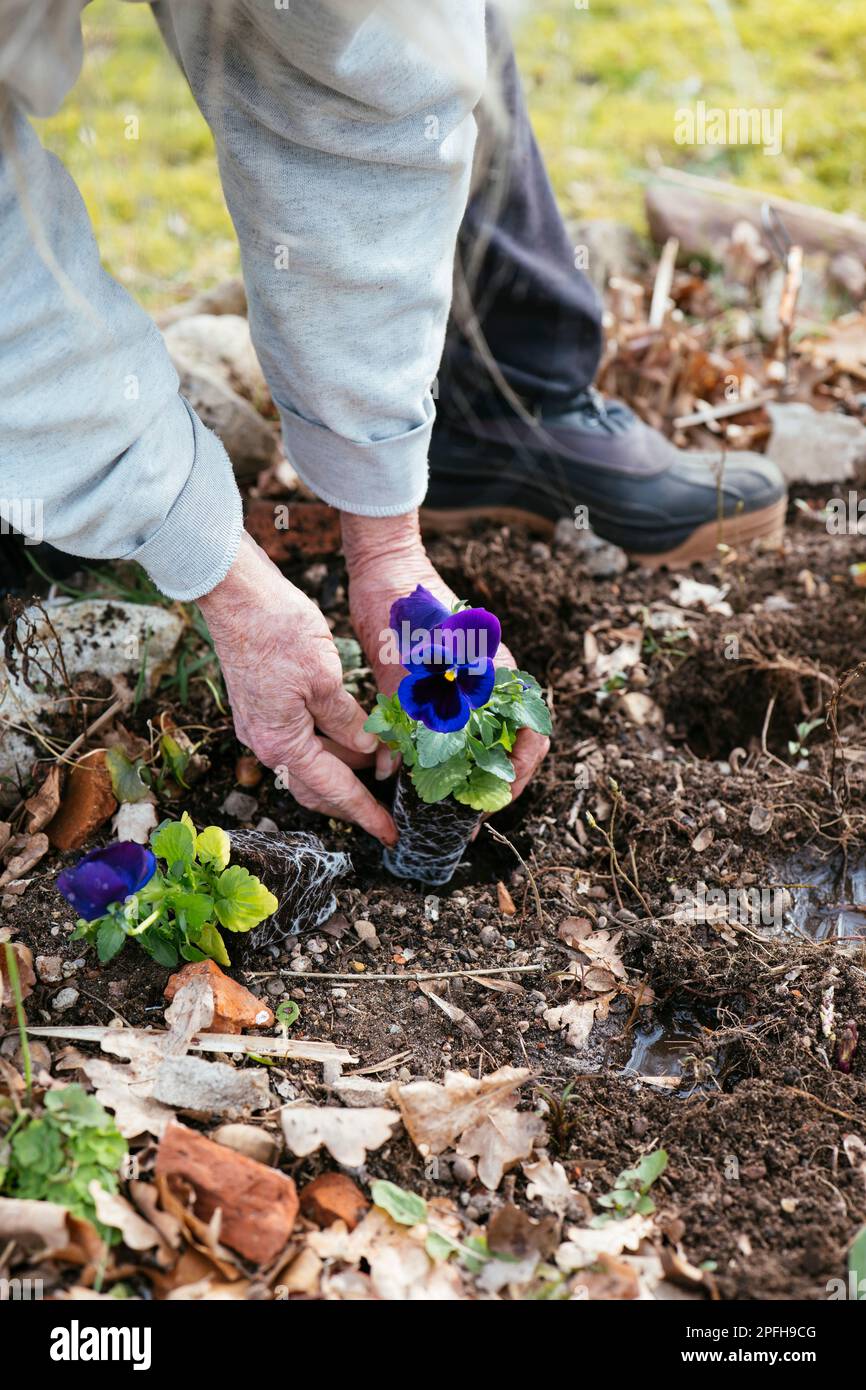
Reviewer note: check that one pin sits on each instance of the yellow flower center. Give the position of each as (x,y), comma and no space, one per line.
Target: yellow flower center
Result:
(450,675)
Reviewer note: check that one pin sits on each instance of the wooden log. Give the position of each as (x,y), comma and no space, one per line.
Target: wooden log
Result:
(701,213)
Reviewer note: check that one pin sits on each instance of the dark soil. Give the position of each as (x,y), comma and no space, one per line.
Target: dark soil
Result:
(758,1179)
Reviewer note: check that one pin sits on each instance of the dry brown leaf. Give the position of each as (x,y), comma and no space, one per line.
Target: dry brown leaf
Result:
(459,1016)
(113,1210)
(548,1184)
(584,1244)
(578,1018)
(31,848)
(499,1141)
(347,1134)
(505,900)
(43,804)
(435,1114)
(26,975)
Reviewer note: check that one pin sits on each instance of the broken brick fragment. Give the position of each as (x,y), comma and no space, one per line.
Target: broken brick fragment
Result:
(333,1197)
(235,1007)
(88,801)
(258,1205)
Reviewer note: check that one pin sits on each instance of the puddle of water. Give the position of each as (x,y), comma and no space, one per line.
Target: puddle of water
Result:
(668,1050)
(826,895)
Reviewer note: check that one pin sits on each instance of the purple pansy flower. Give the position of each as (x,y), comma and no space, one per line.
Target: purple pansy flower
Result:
(448,657)
(106,876)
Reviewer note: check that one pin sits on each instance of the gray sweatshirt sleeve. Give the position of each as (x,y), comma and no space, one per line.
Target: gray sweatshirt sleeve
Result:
(345,135)
(97,448)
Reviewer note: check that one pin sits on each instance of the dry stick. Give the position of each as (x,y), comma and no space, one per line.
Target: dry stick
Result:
(529,874)
(362,978)
(723,412)
(663,282)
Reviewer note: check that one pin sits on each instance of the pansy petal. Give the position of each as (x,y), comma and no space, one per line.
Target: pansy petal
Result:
(475,636)
(418,612)
(91,888)
(135,863)
(477,685)
(106,876)
(436,702)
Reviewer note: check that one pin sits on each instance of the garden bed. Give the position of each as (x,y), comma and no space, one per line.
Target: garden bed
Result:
(746,1097)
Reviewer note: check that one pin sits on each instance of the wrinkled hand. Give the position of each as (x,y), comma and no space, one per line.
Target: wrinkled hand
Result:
(284,681)
(386,559)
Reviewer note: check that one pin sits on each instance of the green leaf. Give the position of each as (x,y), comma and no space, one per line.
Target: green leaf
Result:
(213,847)
(197,908)
(484,792)
(110,939)
(211,944)
(645,1173)
(241,900)
(531,712)
(161,950)
(434,748)
(173,841)
(288,1012)
(494,759)
(857,1260)
(439,1246)
(175,758)
(407,1208)
(125,776)
(435,783)
(378,722)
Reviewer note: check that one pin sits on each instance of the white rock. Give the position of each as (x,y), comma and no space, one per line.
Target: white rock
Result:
(814,446)
(64,999)
(99,635)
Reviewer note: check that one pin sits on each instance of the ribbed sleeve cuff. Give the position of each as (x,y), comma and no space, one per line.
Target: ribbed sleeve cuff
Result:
(385,477)
(195,546)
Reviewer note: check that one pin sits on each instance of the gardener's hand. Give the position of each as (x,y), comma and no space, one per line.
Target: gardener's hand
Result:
(385,557)
(284,680)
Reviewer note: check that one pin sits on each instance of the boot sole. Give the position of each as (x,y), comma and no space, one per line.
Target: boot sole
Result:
(766,524)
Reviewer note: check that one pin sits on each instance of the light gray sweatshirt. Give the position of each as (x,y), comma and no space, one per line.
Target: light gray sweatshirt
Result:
(345,133)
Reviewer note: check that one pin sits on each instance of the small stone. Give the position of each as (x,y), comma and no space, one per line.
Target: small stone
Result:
(490,936)
(299,965)
(240,805)
(366,931)
(210,1088)
(268,826)
(333,1197)
(48,969)
(65,999)
(431,907)
(248,771)
(421,1006)
(463,1169)
(258,1144)
(814,446)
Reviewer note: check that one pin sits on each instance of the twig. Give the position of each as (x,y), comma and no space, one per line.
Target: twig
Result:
(663,281)
(503,840)
(843,1114)
(724,411)
(361,978)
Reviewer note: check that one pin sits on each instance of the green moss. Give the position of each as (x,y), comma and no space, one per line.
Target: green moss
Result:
(604,86)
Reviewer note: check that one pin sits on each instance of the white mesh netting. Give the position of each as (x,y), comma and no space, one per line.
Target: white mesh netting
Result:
(298,870)
(432,837)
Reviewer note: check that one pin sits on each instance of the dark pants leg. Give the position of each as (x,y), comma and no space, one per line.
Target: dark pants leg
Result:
(540,316)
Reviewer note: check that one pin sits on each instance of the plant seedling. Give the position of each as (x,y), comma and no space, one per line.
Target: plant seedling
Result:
(630,1195)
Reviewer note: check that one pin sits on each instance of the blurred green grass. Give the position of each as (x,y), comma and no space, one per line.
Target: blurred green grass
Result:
(604,84)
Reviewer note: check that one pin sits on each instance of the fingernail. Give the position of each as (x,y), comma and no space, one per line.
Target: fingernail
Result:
(385,765)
